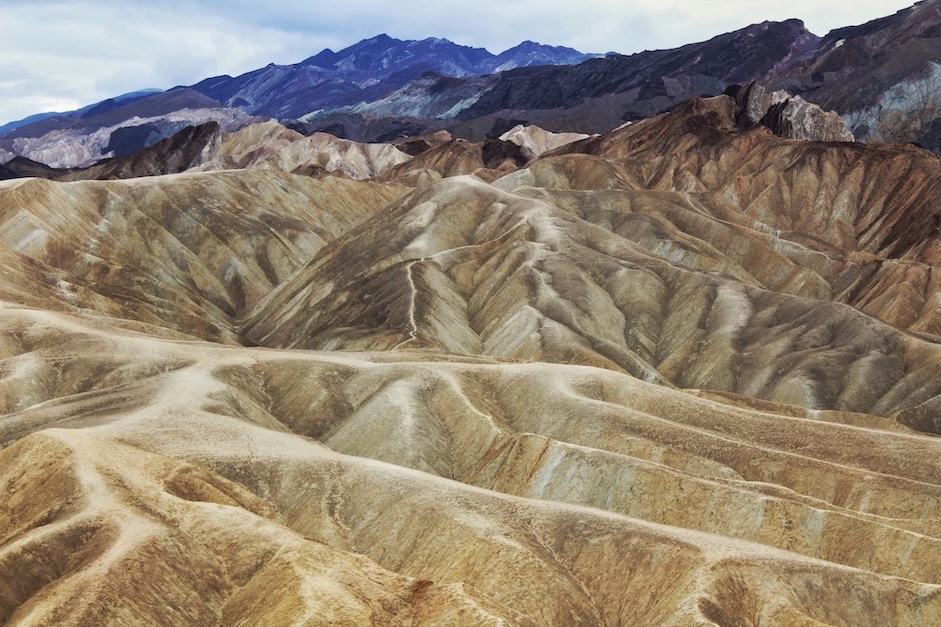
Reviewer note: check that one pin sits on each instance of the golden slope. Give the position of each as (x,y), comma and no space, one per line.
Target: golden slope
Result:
(187,252)
(650,283)
(675,375)
(196,458)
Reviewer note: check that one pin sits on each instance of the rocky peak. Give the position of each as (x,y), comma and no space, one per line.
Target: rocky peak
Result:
(794,117)
(786,115)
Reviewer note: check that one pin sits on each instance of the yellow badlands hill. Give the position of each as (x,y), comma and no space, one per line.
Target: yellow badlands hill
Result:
(679,374)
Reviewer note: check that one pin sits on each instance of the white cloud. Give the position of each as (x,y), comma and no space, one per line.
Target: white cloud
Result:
(59,54)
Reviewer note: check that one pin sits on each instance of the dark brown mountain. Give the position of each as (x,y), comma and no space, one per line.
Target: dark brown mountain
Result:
(120,129)
(184,150)
(21,167)
(593,96)
(884,76)
(151,106)
(660,77)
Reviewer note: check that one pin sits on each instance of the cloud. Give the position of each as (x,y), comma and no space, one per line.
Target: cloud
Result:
(62,54)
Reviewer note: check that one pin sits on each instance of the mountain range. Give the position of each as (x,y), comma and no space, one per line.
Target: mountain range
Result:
(365,71)
(883,77)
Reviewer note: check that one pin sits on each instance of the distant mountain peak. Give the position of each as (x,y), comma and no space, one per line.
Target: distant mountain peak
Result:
(529,43)
(367,70)
(437,40)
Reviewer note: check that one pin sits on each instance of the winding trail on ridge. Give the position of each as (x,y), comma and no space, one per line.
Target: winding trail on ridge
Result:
(413,295)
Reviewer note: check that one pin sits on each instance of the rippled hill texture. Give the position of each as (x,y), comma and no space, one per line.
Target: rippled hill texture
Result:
(687,372)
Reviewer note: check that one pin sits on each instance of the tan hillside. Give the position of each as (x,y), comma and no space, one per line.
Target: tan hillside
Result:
(684,373)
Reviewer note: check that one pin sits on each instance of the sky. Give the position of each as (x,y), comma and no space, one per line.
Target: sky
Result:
(58,55)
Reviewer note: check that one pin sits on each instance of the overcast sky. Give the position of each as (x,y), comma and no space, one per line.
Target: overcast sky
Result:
(61,54)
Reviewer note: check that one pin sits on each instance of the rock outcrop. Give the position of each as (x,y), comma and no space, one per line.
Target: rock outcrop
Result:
(536,141)
(786,115)
(82,139)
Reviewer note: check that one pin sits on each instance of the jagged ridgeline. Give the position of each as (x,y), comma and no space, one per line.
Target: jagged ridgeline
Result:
(882,78)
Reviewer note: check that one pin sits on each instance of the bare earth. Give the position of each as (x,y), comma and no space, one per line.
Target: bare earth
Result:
(678,374)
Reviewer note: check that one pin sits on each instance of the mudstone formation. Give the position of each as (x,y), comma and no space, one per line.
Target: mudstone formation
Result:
(684,369)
